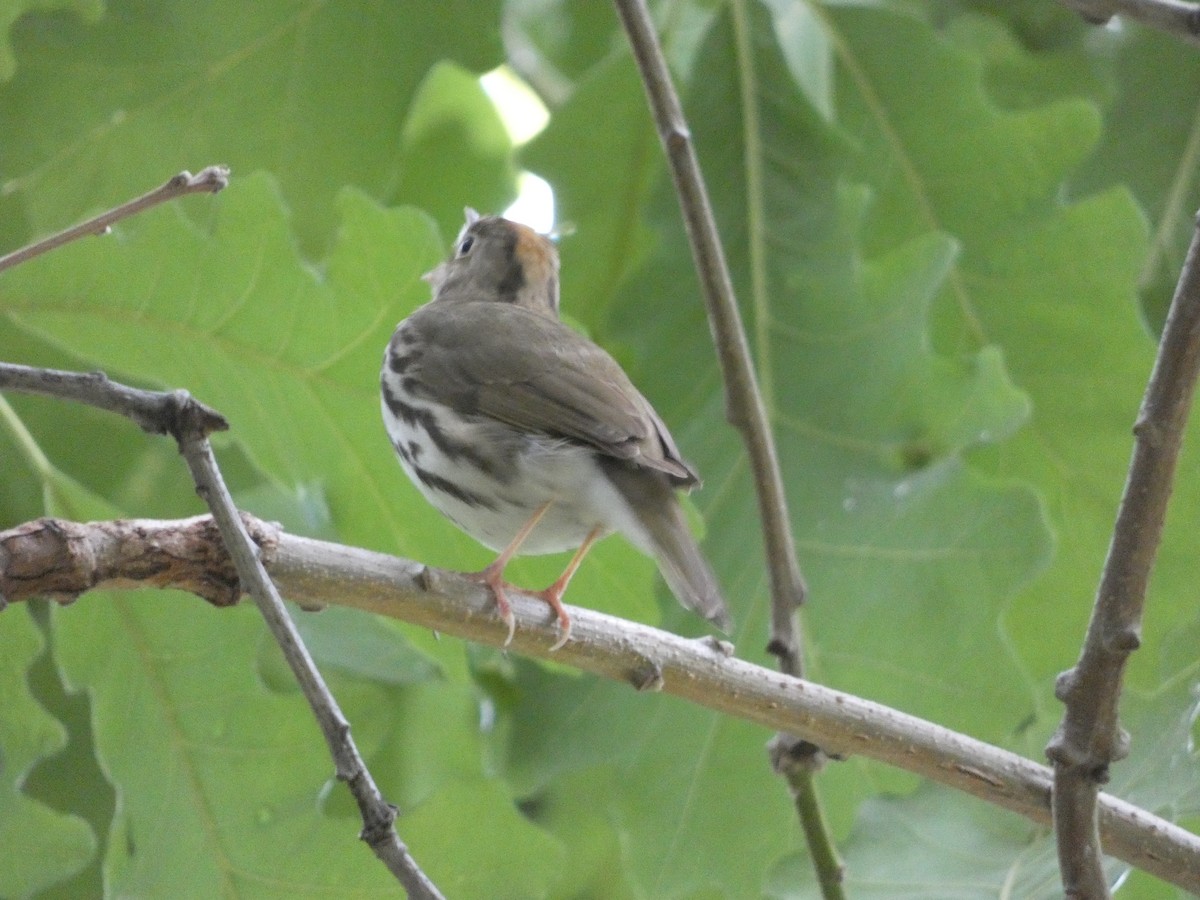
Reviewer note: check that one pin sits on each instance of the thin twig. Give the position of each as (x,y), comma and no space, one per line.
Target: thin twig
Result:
(745,410)
(149,410)
(378,815)
(64,558)
(743,402)
(1090,738)
(1172,16)
(209,180)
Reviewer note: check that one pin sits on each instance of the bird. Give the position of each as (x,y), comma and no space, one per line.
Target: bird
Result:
(526,434)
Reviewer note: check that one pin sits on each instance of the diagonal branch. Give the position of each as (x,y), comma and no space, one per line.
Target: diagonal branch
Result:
(208,180)
(64,559)
(190,423)
(1089,737)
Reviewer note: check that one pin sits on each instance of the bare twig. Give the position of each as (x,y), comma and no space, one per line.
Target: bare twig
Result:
(190,422)
(149,410)
(1089,737)
(65,558)
(745,410)
(209,180)
(1172,16)
(378,815)
(743,401)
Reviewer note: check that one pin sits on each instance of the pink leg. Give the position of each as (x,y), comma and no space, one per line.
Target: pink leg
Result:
(553,594)
(493,575)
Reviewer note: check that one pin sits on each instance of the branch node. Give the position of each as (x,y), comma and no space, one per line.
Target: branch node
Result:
(677,137)
(647,677)
(186,418)
(1145,429)
(717,645)
(790,754)
(210,178)
(1064,684)
(377,829)
(1125,640)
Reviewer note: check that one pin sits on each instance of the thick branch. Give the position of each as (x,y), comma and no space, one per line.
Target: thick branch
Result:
(1172,16)
(316,573)
(1089,737)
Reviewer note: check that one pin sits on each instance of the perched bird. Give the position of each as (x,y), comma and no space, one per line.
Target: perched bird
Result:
(527,435)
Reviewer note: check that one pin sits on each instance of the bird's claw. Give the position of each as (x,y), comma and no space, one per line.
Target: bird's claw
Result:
(564,633)
(507,617)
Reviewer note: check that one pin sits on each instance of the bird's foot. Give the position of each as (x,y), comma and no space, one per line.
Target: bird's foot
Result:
(552,597)
(492,577)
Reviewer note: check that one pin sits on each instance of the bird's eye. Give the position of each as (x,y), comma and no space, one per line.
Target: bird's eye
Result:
(467,243)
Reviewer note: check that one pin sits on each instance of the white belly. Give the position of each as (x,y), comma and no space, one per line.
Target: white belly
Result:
(492,508)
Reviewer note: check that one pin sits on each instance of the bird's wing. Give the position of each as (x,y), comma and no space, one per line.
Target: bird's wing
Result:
(534,373)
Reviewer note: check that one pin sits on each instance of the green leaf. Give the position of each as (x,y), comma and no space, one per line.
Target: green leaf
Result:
(193,744)
(897,535)
(316,95)
(460,823)
(978,854)
(456,150)
(937,228)
(1151,145)
(12,10)
(291,359)
(599,186)
(42,845)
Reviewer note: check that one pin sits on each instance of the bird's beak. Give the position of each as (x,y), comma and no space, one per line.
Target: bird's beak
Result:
(435,276)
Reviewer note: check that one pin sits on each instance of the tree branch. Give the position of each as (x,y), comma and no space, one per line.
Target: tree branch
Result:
(1172,16)
(64,559)
(1090,738)
(152,411)
(745,410)
(209,180)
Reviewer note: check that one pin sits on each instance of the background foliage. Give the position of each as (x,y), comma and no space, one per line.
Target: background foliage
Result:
(954,228)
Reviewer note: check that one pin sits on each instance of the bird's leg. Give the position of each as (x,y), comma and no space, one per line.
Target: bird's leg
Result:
(553,594)
(493,575)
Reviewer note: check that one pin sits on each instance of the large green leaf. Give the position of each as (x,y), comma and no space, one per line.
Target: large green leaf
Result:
(12,10)
(1052,283)
(42,845)
(317,94)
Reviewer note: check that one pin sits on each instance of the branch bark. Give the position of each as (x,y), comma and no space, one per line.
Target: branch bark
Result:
(1089,738)
(743,401)
(65,558)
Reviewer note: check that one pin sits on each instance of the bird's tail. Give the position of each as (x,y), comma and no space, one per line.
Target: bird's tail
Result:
(679,559)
